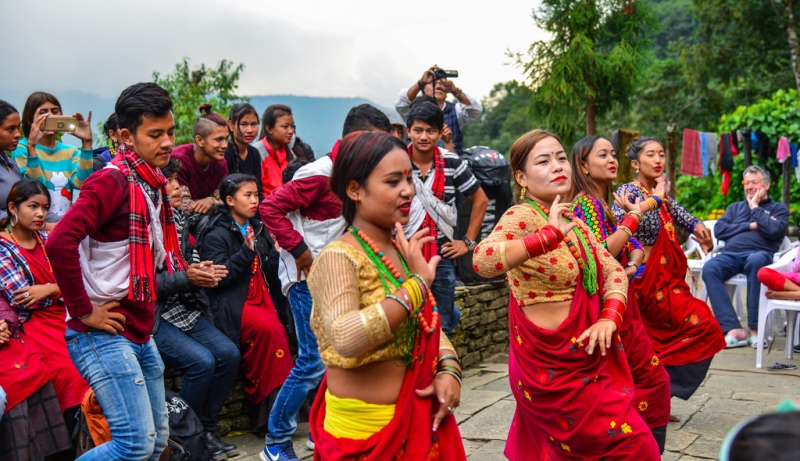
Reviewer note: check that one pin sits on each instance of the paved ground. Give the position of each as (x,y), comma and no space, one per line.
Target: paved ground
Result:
(733,390)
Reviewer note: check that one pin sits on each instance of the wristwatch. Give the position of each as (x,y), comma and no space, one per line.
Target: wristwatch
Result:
(470,244)
(633,264)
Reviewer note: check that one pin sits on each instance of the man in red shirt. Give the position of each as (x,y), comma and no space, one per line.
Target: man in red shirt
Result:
(112,239)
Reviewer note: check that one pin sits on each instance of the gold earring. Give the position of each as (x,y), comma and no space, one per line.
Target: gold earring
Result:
(586,172)
(522,193)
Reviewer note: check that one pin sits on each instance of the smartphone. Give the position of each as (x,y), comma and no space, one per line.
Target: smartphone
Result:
(60,123)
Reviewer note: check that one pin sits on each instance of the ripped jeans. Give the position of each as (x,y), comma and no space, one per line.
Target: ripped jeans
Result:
(128,380)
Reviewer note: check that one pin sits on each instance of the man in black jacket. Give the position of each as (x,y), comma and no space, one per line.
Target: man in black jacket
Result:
(753,231)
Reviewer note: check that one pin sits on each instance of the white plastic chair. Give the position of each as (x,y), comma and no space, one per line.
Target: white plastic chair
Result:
(784,264)
(690,248)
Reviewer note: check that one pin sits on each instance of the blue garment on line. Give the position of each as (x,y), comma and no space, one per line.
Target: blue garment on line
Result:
(704,152)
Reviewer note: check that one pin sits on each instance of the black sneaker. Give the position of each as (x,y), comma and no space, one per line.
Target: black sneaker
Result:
(218,448)
(796,349)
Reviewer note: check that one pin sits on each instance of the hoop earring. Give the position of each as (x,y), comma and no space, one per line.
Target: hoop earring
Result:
(11,220)
(522,193)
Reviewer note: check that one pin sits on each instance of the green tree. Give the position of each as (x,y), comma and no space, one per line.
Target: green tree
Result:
(191,88)
(598,54)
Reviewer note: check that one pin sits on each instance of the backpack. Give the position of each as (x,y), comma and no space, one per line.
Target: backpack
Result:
(186,440)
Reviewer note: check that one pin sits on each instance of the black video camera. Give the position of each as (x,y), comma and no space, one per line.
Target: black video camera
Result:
(439,74)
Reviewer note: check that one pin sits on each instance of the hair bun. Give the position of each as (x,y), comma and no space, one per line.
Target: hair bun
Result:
(205,109)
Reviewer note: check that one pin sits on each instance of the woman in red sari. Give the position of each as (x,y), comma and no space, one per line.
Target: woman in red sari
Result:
(38,351)
(682,328)
(393,379)
(567,366)
(30,287)
(594,166)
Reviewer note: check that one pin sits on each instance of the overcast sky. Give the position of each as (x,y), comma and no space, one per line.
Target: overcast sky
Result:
(303,47)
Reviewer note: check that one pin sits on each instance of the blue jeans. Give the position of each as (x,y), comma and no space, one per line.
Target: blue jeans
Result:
(210,362)
(306,374)
(724,266)
(128,380)
(444,290)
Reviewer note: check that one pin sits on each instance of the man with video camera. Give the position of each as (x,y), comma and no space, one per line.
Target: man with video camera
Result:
(435,82)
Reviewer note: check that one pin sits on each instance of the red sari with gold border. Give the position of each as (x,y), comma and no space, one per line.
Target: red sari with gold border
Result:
(408,436)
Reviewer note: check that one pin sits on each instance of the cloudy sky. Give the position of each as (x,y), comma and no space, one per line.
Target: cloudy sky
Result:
(302,47)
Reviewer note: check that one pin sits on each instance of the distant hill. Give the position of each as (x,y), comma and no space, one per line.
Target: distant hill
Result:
(319,120)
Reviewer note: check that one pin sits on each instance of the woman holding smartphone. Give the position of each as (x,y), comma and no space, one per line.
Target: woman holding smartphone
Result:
(42,156)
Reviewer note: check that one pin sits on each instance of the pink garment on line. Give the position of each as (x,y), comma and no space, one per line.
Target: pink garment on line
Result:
(784,151)
(692,159)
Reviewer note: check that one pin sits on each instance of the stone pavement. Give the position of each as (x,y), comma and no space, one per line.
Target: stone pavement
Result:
(733,390)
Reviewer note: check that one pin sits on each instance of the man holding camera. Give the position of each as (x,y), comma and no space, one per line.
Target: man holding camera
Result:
(435,83)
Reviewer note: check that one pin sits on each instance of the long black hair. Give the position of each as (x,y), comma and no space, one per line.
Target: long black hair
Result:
(20,192)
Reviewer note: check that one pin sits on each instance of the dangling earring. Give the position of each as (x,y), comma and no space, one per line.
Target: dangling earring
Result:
(522,193)
(11,220)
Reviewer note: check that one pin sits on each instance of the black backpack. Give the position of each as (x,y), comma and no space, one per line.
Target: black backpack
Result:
(186,440)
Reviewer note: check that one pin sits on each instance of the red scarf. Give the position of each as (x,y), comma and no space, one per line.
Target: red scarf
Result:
(142,286)
(431,249)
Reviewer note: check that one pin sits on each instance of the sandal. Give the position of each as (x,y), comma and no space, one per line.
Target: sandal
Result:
(753,342)
(782,366)
(731,342)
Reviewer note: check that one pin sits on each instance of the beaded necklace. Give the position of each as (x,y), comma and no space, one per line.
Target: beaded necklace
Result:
(586,264)
(38,239)
(406,335)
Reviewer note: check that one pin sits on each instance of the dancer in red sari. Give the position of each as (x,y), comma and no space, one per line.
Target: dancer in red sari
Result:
(682,328)
(567,365)
(594,167)
(30,287)
(393,379)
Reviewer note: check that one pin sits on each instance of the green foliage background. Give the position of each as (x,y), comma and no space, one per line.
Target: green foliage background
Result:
(705,59)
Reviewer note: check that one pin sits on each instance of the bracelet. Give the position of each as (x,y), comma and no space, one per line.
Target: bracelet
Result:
(638,214)
(449,357)
(421,280)
(626,230)
(658,200)
(612,307)
(419,84)
(401,302)
(458,378)
(631,223)
(452,368)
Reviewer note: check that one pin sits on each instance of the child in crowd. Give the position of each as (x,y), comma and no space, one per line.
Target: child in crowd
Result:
(241,303)
(42,156)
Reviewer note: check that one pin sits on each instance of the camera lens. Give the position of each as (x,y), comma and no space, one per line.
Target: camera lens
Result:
(60,125)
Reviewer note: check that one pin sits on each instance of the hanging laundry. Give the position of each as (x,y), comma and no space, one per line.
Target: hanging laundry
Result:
(725,162)
(704,152)
(713,152)
(691,159)
(761,146)
(735,143)
(793,151)
(783,151)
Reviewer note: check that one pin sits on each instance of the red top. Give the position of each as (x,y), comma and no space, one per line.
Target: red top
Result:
(202,182)
(272,168)
(100,212)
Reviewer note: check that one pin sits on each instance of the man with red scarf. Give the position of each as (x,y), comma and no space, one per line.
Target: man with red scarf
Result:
(108,247)
(438,173)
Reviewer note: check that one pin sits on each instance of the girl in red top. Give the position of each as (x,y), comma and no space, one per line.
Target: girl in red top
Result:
(277,129)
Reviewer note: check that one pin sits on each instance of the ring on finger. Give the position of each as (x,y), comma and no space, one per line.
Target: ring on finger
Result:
(451,410)
(26,294)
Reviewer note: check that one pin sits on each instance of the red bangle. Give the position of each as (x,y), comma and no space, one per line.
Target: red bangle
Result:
(556,233)
(614,310)
(630,222)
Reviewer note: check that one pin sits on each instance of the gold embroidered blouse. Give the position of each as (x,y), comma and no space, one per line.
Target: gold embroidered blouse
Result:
(347,318)
(547,278)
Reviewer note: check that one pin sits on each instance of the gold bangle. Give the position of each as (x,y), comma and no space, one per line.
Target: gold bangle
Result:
(637,214)
(626,230)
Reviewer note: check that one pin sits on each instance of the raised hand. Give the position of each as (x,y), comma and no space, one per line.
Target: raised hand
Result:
(411,251)
(555,218)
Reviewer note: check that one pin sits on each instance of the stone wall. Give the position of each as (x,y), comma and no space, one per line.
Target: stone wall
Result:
(481,333)
(483,329)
